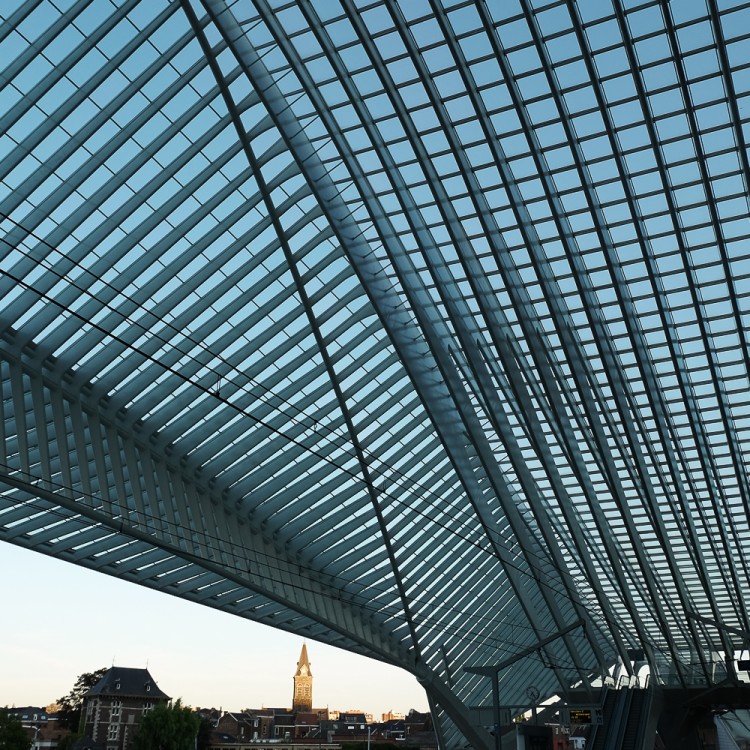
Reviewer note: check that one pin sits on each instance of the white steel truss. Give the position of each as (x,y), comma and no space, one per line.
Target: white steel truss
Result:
(419,328)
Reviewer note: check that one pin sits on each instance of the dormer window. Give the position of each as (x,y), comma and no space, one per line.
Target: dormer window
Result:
(117,684)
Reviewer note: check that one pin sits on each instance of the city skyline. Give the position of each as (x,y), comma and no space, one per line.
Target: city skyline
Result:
(63,620)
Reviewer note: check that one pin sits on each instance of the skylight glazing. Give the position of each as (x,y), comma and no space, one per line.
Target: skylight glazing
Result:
(419,328)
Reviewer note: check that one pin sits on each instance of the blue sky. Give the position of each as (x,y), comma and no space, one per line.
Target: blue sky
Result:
(60,621)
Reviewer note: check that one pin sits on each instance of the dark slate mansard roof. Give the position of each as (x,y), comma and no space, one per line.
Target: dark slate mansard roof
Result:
(128,681)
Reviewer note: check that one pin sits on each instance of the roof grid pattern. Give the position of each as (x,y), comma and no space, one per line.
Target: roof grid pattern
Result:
(416,327)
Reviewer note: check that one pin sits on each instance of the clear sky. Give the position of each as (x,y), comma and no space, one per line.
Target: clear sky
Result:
(59,620)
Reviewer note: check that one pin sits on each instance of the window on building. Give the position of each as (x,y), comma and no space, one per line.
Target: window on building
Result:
(115,712)
(114,732)
(147,706)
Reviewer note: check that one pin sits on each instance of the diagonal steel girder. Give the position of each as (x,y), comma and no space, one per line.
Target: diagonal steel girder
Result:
(444,397)
(426,286)
(88,467)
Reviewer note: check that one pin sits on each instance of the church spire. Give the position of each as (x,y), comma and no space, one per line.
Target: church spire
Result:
(304,662)
(302,698)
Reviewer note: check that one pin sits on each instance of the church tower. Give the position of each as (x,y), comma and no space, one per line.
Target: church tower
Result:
(302,701)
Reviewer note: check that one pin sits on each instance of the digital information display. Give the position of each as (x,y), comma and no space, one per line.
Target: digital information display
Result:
(581,715)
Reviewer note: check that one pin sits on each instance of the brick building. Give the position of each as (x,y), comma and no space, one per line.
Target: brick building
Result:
(114,708)
(41,727)
(246,726)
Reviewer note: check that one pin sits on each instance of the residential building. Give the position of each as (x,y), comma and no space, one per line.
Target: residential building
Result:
(391,716)
(248,725)
(221,741)
(306,724)
(348,726)
(114,708)
(42,728)
(391,729)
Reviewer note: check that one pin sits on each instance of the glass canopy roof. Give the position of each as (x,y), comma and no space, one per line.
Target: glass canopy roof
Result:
(416,327)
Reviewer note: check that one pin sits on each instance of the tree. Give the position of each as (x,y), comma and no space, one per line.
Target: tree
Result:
(72,703)
(12,735)
(205,729)
(67,742)
(167,727)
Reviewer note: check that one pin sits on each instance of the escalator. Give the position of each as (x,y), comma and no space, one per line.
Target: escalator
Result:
(625,717)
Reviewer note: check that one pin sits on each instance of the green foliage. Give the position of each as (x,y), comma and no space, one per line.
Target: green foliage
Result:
(72,703)
(12,735)
(167,727)
(205,729)
(68,741)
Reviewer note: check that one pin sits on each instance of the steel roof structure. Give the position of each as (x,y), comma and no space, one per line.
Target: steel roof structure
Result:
(418,328)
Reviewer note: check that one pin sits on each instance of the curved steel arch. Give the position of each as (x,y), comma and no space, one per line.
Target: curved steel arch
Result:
(175,526)
(432,313)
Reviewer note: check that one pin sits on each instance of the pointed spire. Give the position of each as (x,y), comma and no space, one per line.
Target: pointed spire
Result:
(303,660)
(302,698)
